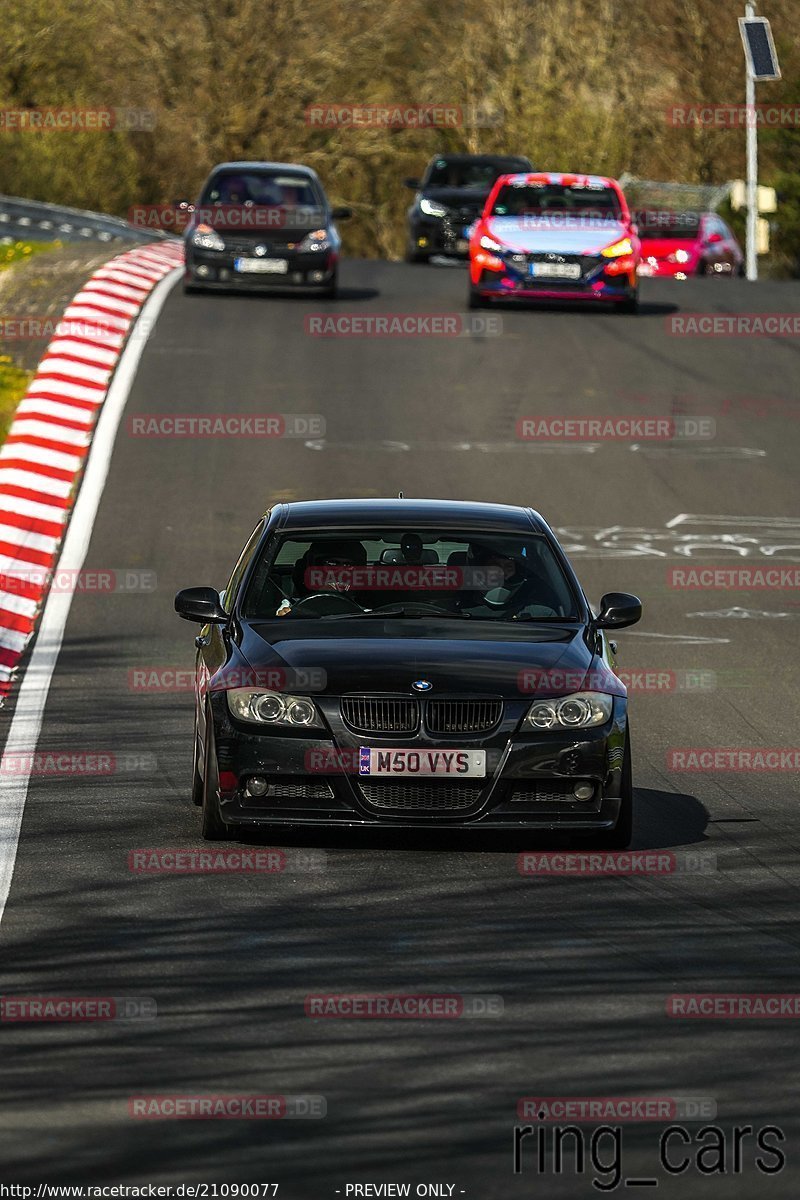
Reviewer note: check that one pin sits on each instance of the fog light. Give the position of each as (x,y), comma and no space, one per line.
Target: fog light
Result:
(224,273)
(202,272)
(583,791)
(422,242)
(317,276)
(257,786)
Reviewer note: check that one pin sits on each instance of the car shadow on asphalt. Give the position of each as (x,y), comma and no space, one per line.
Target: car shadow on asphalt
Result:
(662,820)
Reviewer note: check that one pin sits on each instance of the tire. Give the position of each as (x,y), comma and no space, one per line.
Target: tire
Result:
(190,290)
(476,300)
(331,290)
(213,827)
(631,305)
(416,256)
(619,838)
(197,778)
(702,268)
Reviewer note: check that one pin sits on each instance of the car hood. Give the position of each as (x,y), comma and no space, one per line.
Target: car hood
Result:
(388,659)
(471,198)
(540,234)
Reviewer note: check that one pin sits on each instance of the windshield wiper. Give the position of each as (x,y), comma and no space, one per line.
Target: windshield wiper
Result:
(396,612)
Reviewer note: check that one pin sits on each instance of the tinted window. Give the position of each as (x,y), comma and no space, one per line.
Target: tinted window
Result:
(473,175)
(272,189)
(556,199)
(449,569)
(229,595)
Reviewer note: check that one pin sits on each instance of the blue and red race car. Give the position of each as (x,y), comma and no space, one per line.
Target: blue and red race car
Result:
(555,236)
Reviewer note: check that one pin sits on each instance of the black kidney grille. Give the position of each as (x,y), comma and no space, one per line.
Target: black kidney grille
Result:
(463,716)
(435,796)
(380,714)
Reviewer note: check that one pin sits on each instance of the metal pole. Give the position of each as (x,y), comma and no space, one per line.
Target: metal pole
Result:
(752,165)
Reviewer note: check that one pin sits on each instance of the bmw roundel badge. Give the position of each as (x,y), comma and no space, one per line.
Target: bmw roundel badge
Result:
(422,685)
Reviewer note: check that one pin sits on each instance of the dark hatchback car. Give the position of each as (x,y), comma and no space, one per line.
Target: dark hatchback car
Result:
(260,225)
(400,662)
(450,197)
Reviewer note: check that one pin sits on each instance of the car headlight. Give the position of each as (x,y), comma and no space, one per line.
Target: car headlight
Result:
(490,244)
(578,711)
(316,240)
(272,708)
(206,239)
(618,248)
(680,256)
(432,208)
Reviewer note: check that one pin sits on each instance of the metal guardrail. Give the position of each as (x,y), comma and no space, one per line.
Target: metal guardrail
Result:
(33,220)
(693,197)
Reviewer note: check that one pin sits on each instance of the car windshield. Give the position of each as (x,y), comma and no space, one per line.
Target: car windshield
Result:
(470,175)
(671,226)
(556,199)
(271,189)
(411,573)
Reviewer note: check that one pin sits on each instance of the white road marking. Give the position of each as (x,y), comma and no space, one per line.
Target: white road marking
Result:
(26,725)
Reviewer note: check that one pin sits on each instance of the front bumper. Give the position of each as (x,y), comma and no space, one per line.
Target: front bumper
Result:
(598,281)
(441,235)
(529,783)
(217,269)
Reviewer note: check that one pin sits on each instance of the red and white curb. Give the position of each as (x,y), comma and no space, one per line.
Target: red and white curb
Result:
(46,448)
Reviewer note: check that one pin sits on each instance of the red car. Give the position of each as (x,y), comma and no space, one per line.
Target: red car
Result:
(555,236)
(679,244)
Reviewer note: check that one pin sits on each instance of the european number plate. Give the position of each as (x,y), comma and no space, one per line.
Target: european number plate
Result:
(460,764)
(262,266)
(545,270)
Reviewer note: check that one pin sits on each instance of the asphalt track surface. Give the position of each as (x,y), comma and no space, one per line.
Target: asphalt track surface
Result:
(583,965)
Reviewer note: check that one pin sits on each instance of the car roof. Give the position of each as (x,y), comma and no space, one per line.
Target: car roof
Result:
(252,165)
(411,513)
(565,178)
(488,158)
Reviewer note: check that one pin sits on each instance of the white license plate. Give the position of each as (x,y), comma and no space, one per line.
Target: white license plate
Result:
(262,266)
(545,270)
(459,764)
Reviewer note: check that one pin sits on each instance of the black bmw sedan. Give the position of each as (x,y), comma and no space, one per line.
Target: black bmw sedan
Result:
(409,663)
(262,225)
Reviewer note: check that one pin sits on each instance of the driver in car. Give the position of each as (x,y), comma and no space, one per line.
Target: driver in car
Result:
(512,581)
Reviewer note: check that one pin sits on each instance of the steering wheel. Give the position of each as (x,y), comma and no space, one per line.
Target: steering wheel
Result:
(325,604)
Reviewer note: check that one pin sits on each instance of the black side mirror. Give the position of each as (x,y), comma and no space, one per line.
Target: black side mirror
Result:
(201,604)
(618,610)
(341,213)
(411,183)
